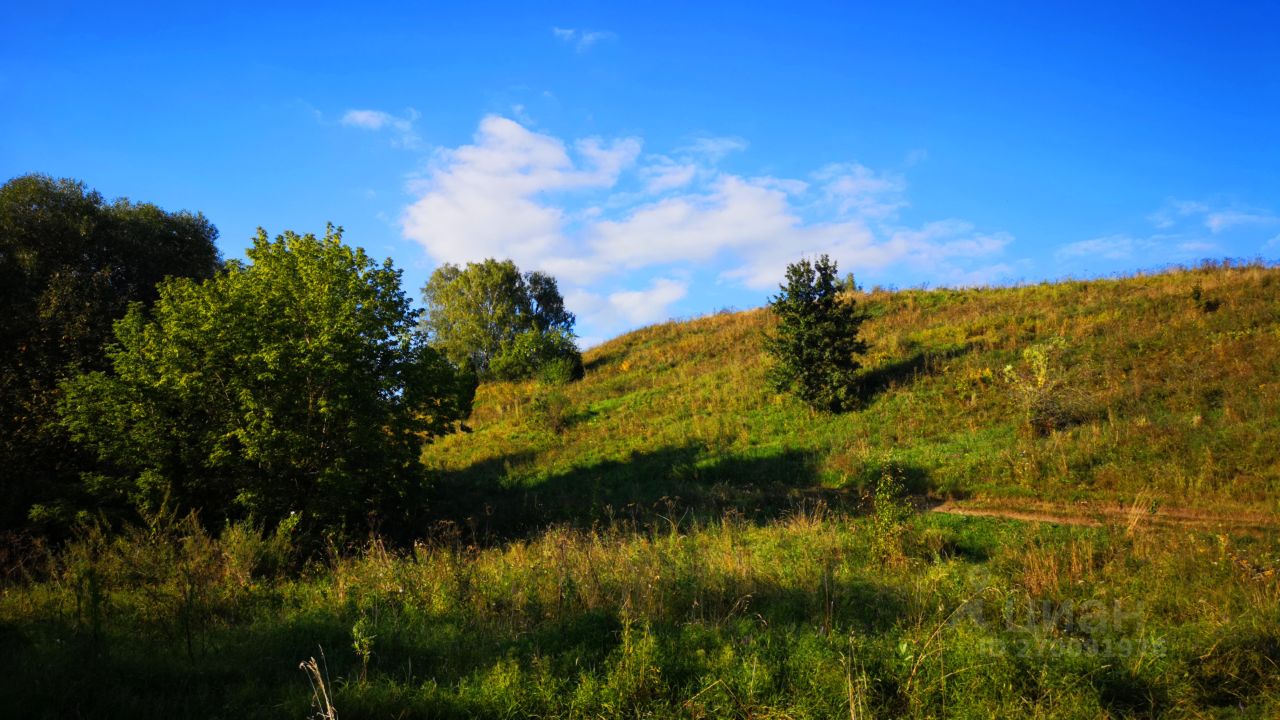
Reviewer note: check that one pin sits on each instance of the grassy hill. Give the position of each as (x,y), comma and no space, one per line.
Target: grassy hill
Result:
(668,538)
(1161,387)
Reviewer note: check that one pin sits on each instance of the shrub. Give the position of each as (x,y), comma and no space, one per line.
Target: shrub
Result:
(294,383)
(551,411)
(1048,402)
(548,354)
(70,265)
(888,523)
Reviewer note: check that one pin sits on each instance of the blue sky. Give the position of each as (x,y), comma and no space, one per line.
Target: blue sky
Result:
(669,160)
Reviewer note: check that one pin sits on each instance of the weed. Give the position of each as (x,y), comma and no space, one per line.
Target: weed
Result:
(889,523)
(362,638)
(1048,402)
(551,411)
(317,675)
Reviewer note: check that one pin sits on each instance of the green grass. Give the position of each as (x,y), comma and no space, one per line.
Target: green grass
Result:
(796,617)
(1166,395)
(677,541)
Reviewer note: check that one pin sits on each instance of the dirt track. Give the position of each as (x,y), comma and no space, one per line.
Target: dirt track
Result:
(1096,514)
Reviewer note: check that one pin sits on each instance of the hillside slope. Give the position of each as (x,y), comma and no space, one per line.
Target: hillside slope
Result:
(1164,387)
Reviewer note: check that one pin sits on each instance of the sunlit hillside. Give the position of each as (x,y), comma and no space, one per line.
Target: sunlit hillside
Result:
(1163,387)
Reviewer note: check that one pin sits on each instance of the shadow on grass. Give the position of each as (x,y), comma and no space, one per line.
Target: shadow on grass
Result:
(503,498)
(254,670)
(875,381)
(452,649)
(913,478)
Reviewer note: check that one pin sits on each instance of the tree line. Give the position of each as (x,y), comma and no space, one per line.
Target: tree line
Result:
(140,372)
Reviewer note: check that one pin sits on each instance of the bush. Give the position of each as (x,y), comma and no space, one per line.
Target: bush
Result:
(548,354)
(1048,402)
(70,265)
(293,384)
(173,577)
(889,521)
(552,411)
(561,371)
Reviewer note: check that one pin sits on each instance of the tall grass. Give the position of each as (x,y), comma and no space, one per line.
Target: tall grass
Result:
(800,616)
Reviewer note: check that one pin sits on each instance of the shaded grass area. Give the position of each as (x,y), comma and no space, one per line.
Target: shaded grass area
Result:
(510,496)
(809,614)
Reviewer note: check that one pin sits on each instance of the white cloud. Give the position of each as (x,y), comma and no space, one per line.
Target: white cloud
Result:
(487,199)
(626,308)
(377,120)
(1173,210)
(713,149)
(647,306)
(1111,247)
(587,210)
(1188,230)
(1193,247)
(1159,248)
(1273,243)
(591,37)
(582,40)
(1224,219)
(857,189)
(666,174)
(367,119)
(694,227)
(1215,218)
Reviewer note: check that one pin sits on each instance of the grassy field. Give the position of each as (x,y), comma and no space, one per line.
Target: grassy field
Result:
(668,538)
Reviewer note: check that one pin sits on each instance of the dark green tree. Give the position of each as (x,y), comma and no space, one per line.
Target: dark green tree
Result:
(294,383)
(70,264)
(815,348)
(503,324)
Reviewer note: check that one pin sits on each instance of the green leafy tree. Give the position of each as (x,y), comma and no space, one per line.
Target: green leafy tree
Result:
(503,324)
(295,383)
(70,264)
(815,348)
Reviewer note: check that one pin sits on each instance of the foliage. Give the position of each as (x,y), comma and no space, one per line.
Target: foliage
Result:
(552,411)
(891,510)
(500,322)
(815,346)
(548,354)
(70,264)
(291,384)
(1038,384)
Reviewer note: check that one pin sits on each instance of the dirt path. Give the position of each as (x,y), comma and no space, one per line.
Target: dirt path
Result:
(1096,514)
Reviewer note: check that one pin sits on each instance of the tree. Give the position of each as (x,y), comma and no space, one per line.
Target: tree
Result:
(70,264)
(293,383)
(816,344)
(503,324)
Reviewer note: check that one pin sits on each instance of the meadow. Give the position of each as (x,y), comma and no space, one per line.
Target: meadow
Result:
(1054,500)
